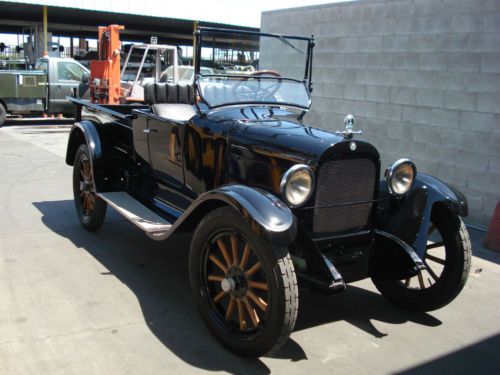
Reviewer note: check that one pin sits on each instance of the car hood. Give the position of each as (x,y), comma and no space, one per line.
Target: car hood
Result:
(278,132)
(265,143)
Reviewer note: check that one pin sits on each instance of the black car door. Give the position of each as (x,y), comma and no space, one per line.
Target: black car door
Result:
(165,153)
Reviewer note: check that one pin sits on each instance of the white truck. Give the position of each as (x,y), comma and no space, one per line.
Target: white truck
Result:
(40,91)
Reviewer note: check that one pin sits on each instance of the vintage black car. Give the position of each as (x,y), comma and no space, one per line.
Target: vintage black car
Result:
(272,203)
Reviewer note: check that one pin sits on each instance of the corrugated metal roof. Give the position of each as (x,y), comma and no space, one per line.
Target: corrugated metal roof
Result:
(222,12)
(77,22)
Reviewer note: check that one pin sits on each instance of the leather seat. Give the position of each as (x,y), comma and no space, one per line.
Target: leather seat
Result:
(170,100)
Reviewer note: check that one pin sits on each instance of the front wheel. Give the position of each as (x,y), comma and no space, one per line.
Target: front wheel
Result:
(245,289)
(91,209)
(447,259)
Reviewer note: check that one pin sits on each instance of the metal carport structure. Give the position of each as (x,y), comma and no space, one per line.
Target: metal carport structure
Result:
(82,23)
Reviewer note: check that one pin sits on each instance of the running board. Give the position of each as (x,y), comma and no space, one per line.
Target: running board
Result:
(150,222)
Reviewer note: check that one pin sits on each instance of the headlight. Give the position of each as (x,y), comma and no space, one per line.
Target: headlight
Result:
(400,176)
(297,185)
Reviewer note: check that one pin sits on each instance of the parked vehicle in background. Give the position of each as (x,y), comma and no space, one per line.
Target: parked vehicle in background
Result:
(40,91)
(16,64)
(134,75)
(186,74)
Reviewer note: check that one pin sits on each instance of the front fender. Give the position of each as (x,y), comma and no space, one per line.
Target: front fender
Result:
(409,217)
(440,191)
(268,216)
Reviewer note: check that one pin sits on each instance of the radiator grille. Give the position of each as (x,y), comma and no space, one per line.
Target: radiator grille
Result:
(342,182)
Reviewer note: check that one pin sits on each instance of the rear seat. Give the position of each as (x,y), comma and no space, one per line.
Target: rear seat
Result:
(170,100)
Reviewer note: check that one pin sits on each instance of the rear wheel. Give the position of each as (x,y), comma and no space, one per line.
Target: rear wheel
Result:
(91,209)
(3,114)
(447,259)
(245,289)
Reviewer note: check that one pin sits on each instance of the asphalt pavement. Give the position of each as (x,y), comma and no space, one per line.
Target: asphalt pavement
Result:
(116,302)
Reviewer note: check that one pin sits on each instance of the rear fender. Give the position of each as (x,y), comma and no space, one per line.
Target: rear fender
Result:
(408,218)
(85,132)
(268,217)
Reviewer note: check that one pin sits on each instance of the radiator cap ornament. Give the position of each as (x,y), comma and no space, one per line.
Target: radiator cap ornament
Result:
(349,126)
(349,122)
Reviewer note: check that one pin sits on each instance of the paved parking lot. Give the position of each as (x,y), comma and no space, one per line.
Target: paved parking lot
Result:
(115,302)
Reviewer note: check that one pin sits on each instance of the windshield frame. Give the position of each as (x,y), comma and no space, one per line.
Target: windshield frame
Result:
(307,81)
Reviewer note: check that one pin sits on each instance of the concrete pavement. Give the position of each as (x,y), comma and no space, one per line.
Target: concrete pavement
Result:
(115,302)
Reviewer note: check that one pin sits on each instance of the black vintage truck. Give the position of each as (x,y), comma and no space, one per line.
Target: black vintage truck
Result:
(272,202)
(40,91)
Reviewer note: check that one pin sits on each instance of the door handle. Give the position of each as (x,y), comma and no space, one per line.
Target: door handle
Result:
(147,131)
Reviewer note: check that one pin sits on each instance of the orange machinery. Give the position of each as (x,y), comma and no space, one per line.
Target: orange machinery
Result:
(105,73)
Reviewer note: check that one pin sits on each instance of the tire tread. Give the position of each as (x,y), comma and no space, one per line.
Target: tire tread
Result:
(292,300)
(3,114)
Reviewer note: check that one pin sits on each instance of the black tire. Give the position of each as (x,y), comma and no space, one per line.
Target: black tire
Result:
(446,276)
(260,320)
(91,209)
(3,114)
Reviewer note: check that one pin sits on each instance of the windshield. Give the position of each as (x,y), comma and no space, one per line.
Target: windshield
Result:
(253,68)
(228,90)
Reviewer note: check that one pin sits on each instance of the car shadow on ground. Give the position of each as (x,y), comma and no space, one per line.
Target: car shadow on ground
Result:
(157,273)
(481,356)
(346,306)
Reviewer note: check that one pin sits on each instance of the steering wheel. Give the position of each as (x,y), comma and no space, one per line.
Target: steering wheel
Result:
(242,92)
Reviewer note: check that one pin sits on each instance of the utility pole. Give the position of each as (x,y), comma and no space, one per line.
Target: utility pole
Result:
(195,26)
(45,42)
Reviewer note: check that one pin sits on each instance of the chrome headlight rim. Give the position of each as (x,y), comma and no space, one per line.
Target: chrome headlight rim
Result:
(287,177)
(391,172)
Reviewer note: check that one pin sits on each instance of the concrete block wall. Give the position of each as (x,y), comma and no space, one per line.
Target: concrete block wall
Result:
(422,78)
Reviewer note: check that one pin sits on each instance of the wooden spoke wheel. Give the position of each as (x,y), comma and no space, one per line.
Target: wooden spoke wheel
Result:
(90,208)
(237,284)
(245,289)
(434,260)
(447,260)
(86,186)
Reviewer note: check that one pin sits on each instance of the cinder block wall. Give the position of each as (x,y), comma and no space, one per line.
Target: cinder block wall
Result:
(422,78)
